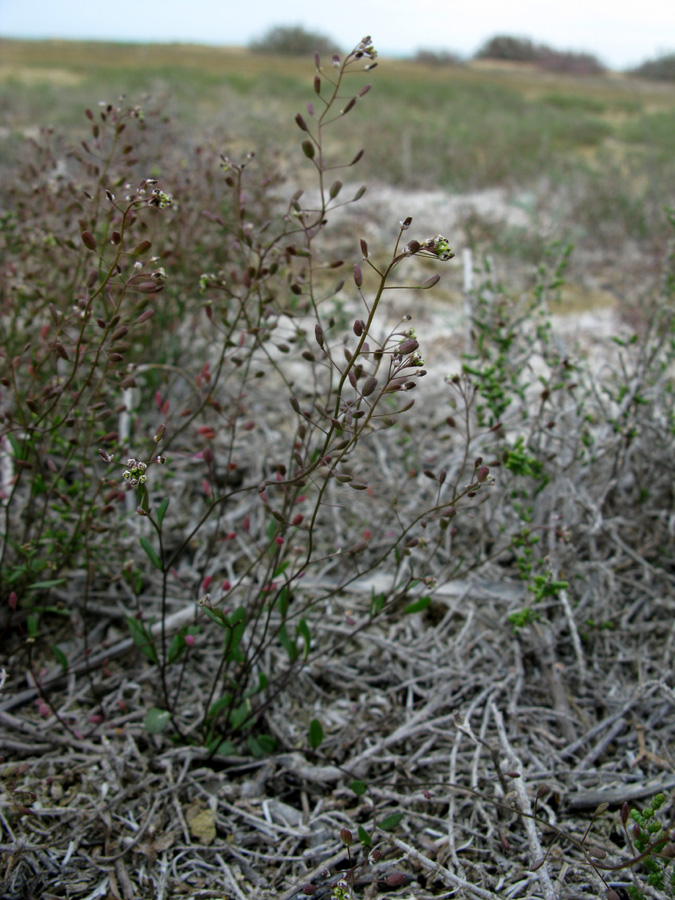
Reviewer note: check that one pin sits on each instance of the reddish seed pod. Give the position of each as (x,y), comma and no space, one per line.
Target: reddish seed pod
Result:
(144,316)
(482,473)
(88,240)
(318,334)
(300,122)
(358,275)
(625,811)
(369,386)
(359,327)
(395,879)
(406,347)
(346,836)
(317,84)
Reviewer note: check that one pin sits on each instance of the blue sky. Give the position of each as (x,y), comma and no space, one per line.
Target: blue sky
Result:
(620,33)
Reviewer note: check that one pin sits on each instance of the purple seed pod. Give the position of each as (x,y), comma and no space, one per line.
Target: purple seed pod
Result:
(358,275)
(406,347)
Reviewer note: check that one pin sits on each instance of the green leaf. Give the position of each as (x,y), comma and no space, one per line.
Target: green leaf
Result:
(60,657)
(217,616)
(152,554)
(418,605)
(302,628)
(284,598)
(156,720)
(315,734)
(391,821)
(376,604)
(143,638)
(43,585)
(176,648)
(16,447)
(267,742)
(221,703)
(161,511)
(254,747)
(288,645)
(359,787)
(282,568)
(32,623)
(364,837)
(239,715)
(221,748)
(233,639)
(260,746)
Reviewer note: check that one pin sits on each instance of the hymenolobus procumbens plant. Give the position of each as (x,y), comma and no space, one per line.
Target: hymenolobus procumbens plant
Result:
(292,409)
(75,309)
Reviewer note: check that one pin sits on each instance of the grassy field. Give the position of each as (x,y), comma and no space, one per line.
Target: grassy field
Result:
(590,158)
(587,159)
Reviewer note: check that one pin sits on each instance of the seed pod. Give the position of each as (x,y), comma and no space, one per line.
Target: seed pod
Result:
(88,240)
(430,282)
(300,122)
(406,347)
(318,334)
(358,275)
(369,386)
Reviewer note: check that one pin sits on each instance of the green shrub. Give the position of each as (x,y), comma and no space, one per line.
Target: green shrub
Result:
(293,40)
(660,69)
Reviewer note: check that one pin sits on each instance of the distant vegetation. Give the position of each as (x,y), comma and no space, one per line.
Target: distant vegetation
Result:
(660,69)
(438,57)
(516,49)
(293,41)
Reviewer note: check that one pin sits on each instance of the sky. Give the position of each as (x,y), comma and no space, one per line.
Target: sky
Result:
(620,33)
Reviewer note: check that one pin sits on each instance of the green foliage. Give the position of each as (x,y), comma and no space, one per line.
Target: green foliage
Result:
(660,69)
(293,40)
(517,49)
